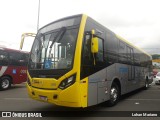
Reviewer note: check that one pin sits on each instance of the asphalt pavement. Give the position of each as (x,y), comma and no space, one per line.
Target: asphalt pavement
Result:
(16,99)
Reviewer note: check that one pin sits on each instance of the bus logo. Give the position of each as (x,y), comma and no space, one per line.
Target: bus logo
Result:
(6,114)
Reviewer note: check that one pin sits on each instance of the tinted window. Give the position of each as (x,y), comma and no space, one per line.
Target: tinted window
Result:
(18,59)
(130,55)
(122,48)
(137,57)
(122,52)
(3,58)
(24,59)
(54,52)
(99,56)
(59,24)
(111,42)
(87,49)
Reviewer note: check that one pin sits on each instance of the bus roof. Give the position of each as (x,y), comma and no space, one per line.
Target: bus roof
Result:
(12,50)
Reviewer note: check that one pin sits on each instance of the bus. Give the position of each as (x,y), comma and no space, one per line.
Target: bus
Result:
(13,67)
(77,62)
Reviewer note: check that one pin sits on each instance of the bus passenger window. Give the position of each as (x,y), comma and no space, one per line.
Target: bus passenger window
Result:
(3,58)
(99,55)
(14,59)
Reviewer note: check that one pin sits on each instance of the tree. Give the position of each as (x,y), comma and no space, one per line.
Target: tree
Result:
(155,56)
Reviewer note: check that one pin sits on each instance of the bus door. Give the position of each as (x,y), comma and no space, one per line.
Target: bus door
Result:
(92,67)
(131,68)
(87,67)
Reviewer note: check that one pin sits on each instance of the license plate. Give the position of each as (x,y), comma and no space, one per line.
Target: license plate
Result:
(44,98)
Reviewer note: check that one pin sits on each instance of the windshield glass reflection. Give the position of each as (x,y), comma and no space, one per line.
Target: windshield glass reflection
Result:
(49,52)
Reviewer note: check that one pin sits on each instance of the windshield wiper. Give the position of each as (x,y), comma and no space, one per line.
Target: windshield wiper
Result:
(59,34)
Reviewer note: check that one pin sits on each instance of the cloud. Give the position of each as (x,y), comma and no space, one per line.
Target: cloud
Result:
(135,20)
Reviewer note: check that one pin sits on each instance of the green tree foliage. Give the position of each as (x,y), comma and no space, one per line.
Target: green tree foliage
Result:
(155,56)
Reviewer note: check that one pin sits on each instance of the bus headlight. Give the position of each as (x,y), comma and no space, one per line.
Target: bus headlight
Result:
(67,82)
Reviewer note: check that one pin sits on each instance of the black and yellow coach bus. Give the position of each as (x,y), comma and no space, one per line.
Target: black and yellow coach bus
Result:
(77,62)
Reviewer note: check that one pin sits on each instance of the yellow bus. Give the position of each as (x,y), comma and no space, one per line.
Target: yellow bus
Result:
(77,62)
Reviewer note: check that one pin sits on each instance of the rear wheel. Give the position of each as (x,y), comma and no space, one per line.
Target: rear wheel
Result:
(5,83)
(114,95)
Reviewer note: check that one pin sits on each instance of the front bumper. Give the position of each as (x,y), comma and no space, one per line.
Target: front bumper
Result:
(157,81)
(57,97)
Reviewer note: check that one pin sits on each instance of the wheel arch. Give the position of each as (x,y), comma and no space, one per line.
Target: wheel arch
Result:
(9,77)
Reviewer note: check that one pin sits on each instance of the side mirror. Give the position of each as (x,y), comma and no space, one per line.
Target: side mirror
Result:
(94,45)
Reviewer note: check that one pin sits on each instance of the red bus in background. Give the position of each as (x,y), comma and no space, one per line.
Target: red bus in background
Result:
(13,67)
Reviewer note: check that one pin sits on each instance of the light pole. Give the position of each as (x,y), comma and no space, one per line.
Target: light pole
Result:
(38,15)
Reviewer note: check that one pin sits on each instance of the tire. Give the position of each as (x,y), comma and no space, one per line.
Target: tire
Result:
(5,83)
(114,95)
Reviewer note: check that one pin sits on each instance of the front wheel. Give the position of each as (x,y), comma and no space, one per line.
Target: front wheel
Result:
(114,95)
(5,83)
(146,85)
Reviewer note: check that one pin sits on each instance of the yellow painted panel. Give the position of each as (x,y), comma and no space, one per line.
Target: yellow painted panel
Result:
(84,92)
(70,94)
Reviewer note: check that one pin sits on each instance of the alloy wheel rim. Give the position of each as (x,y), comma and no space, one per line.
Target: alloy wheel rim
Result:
(114,94)
(5,83)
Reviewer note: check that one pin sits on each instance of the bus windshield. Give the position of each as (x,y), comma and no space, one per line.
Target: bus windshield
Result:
(54,50)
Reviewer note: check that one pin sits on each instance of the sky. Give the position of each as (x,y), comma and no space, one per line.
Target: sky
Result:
(137,21)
